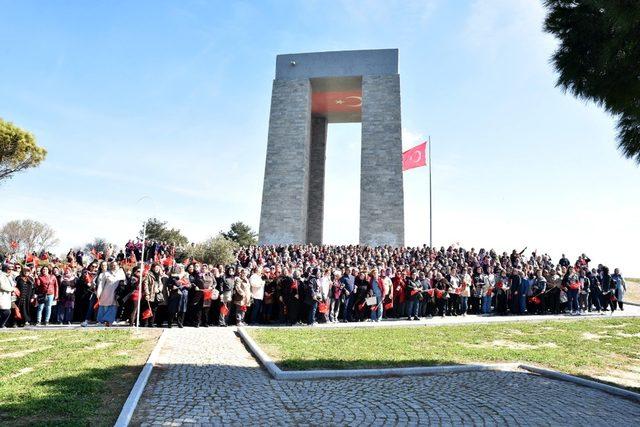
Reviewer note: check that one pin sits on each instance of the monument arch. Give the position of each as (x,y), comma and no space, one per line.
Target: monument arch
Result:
(310,91)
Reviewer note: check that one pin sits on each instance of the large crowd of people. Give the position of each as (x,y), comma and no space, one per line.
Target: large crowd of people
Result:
(297,284)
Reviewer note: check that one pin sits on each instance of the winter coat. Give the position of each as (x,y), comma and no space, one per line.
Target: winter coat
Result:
(154,289)
(241,292)
(47,284)
(6,286)
(108,283)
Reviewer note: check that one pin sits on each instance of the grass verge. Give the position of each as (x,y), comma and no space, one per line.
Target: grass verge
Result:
(70,377)
(607,350)
(633,291)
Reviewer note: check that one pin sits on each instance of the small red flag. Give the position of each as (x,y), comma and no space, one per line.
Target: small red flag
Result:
(14,244)
(224,310)
(415,157)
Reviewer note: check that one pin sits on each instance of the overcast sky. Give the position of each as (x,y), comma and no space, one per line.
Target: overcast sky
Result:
(170,100)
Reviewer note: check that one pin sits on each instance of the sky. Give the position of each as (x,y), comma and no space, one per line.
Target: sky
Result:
(160,109)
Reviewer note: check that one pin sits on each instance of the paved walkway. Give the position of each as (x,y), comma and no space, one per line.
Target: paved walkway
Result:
(206,376)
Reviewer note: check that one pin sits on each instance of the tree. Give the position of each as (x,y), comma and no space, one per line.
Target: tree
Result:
(158,230)
(22,236)
(99,244)
(242,234)
(215,250)
(18,150)
(599,59)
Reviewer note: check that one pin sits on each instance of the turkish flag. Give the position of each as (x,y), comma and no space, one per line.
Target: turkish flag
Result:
(336,102)
(415,157)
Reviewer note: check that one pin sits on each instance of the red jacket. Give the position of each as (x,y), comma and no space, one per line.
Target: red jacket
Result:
(47,285)
(398,289)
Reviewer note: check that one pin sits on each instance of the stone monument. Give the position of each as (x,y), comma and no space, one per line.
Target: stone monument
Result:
(310,91)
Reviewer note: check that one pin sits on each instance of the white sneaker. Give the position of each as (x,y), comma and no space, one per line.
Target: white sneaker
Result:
(84,324)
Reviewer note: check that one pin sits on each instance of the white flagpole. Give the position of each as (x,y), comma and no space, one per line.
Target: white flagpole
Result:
(144,236)
(430,203)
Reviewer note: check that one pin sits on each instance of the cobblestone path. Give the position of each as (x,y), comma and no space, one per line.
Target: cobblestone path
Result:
(206,376)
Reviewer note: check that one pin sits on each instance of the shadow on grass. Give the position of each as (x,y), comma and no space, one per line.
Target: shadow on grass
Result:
(94,397)
(294,364)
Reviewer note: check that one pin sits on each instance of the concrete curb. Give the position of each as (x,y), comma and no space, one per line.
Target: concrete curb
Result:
(136,391)
(278,374)
(550,373)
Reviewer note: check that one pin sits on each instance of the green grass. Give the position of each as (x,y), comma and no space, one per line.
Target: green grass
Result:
(72,377)
(607,350)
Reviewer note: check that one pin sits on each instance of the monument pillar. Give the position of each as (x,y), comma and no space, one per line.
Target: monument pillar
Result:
(283,219)
(317,160)
(310,91)
(381,189)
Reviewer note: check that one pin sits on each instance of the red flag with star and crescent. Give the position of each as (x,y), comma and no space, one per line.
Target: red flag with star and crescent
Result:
(415,157)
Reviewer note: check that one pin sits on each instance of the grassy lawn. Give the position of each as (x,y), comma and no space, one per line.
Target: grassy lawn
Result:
(606,350)
(70,377)
(633,290)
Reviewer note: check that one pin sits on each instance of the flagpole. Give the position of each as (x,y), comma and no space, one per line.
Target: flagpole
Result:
(430,203)
(144,236)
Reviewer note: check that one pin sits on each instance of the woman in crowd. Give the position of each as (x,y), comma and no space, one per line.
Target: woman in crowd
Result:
(209,292)
(89,279)
(46,294)
(486,292)
(25,283)
(595,291)
(336,297)
(107,285)
(501,292)
(241,296)
(257,294)
(155,295)
(227,285)
(478,281)
(361,289)
(195,295)
(620,288)
(414,291)
(6,287)
(399,296)
(376,290)
(453,305)
(128,295)
(179,285)
(441,289)
(538,289)
(572,285)
(269,301)
(291,298)
(57,311)
(67,296)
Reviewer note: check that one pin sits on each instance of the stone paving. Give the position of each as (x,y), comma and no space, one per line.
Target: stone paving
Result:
(206,376)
